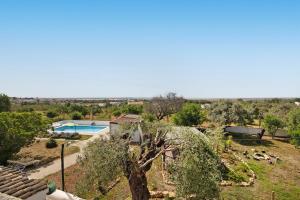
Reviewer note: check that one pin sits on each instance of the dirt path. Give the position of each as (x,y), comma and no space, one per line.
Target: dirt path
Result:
(69,160)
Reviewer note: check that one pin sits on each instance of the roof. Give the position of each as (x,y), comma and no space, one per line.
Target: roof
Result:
(16,183)
(130,118)
(7,197)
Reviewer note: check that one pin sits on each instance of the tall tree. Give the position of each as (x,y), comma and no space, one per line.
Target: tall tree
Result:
(163,106)
(17,130)
(4,103)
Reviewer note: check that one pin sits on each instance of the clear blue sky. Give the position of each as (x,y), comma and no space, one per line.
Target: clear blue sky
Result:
(72,48)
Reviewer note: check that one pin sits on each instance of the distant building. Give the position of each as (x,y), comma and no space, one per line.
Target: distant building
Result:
(297,103)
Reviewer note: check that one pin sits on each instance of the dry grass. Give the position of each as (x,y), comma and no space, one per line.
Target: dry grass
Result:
(38,151)
(73,174)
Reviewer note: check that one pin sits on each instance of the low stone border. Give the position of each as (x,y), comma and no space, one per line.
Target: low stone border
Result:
(242,184)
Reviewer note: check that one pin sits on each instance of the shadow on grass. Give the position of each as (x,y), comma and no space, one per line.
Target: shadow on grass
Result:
(249,140)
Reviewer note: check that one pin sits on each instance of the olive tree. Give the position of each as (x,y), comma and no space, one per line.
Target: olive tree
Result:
(196,174)
(225,113)
(105,160)
(196,170)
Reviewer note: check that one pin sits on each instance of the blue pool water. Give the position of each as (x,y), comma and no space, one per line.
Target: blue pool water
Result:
(79,129)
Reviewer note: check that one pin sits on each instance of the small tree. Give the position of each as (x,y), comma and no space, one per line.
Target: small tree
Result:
(189,115)
(4,103)
(271,123)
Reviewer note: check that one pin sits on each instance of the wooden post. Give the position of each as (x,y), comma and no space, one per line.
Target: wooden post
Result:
(273,195)
(62,168)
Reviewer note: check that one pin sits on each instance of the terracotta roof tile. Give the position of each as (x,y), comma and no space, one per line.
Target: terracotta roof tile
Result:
(17,184)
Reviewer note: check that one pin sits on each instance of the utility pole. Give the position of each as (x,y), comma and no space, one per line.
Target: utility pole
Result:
(62,167)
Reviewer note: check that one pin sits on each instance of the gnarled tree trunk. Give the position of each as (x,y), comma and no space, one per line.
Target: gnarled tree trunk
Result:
(137,181)
(138,185)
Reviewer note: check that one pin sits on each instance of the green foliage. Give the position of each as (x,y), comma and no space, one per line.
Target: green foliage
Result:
(127,109)
(76,115)
(216,138)
(294,126)
(17,130)
(51,114)
(4,103)
(236,176)
(51,143)
(148,117)
(225,113)
(239,115)
(102,162)
(189,115)
(196,171)
(228,142)
(272,123)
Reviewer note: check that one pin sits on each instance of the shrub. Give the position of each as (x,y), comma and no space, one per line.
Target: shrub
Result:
(236,176)
(76,115)
(51,143)
(51,114)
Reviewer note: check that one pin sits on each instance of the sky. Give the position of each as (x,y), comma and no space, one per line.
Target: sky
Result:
(110,48)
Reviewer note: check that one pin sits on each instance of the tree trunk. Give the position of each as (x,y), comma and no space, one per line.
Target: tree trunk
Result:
(138,185)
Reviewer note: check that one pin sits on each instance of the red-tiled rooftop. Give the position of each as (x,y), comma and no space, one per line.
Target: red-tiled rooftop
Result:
(16,183)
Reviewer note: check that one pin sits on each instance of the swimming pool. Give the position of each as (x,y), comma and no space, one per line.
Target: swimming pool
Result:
(92,129)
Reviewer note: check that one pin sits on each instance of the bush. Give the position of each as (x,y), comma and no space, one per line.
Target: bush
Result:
(51,114)
(236,176)
(76,116)
(51,143)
